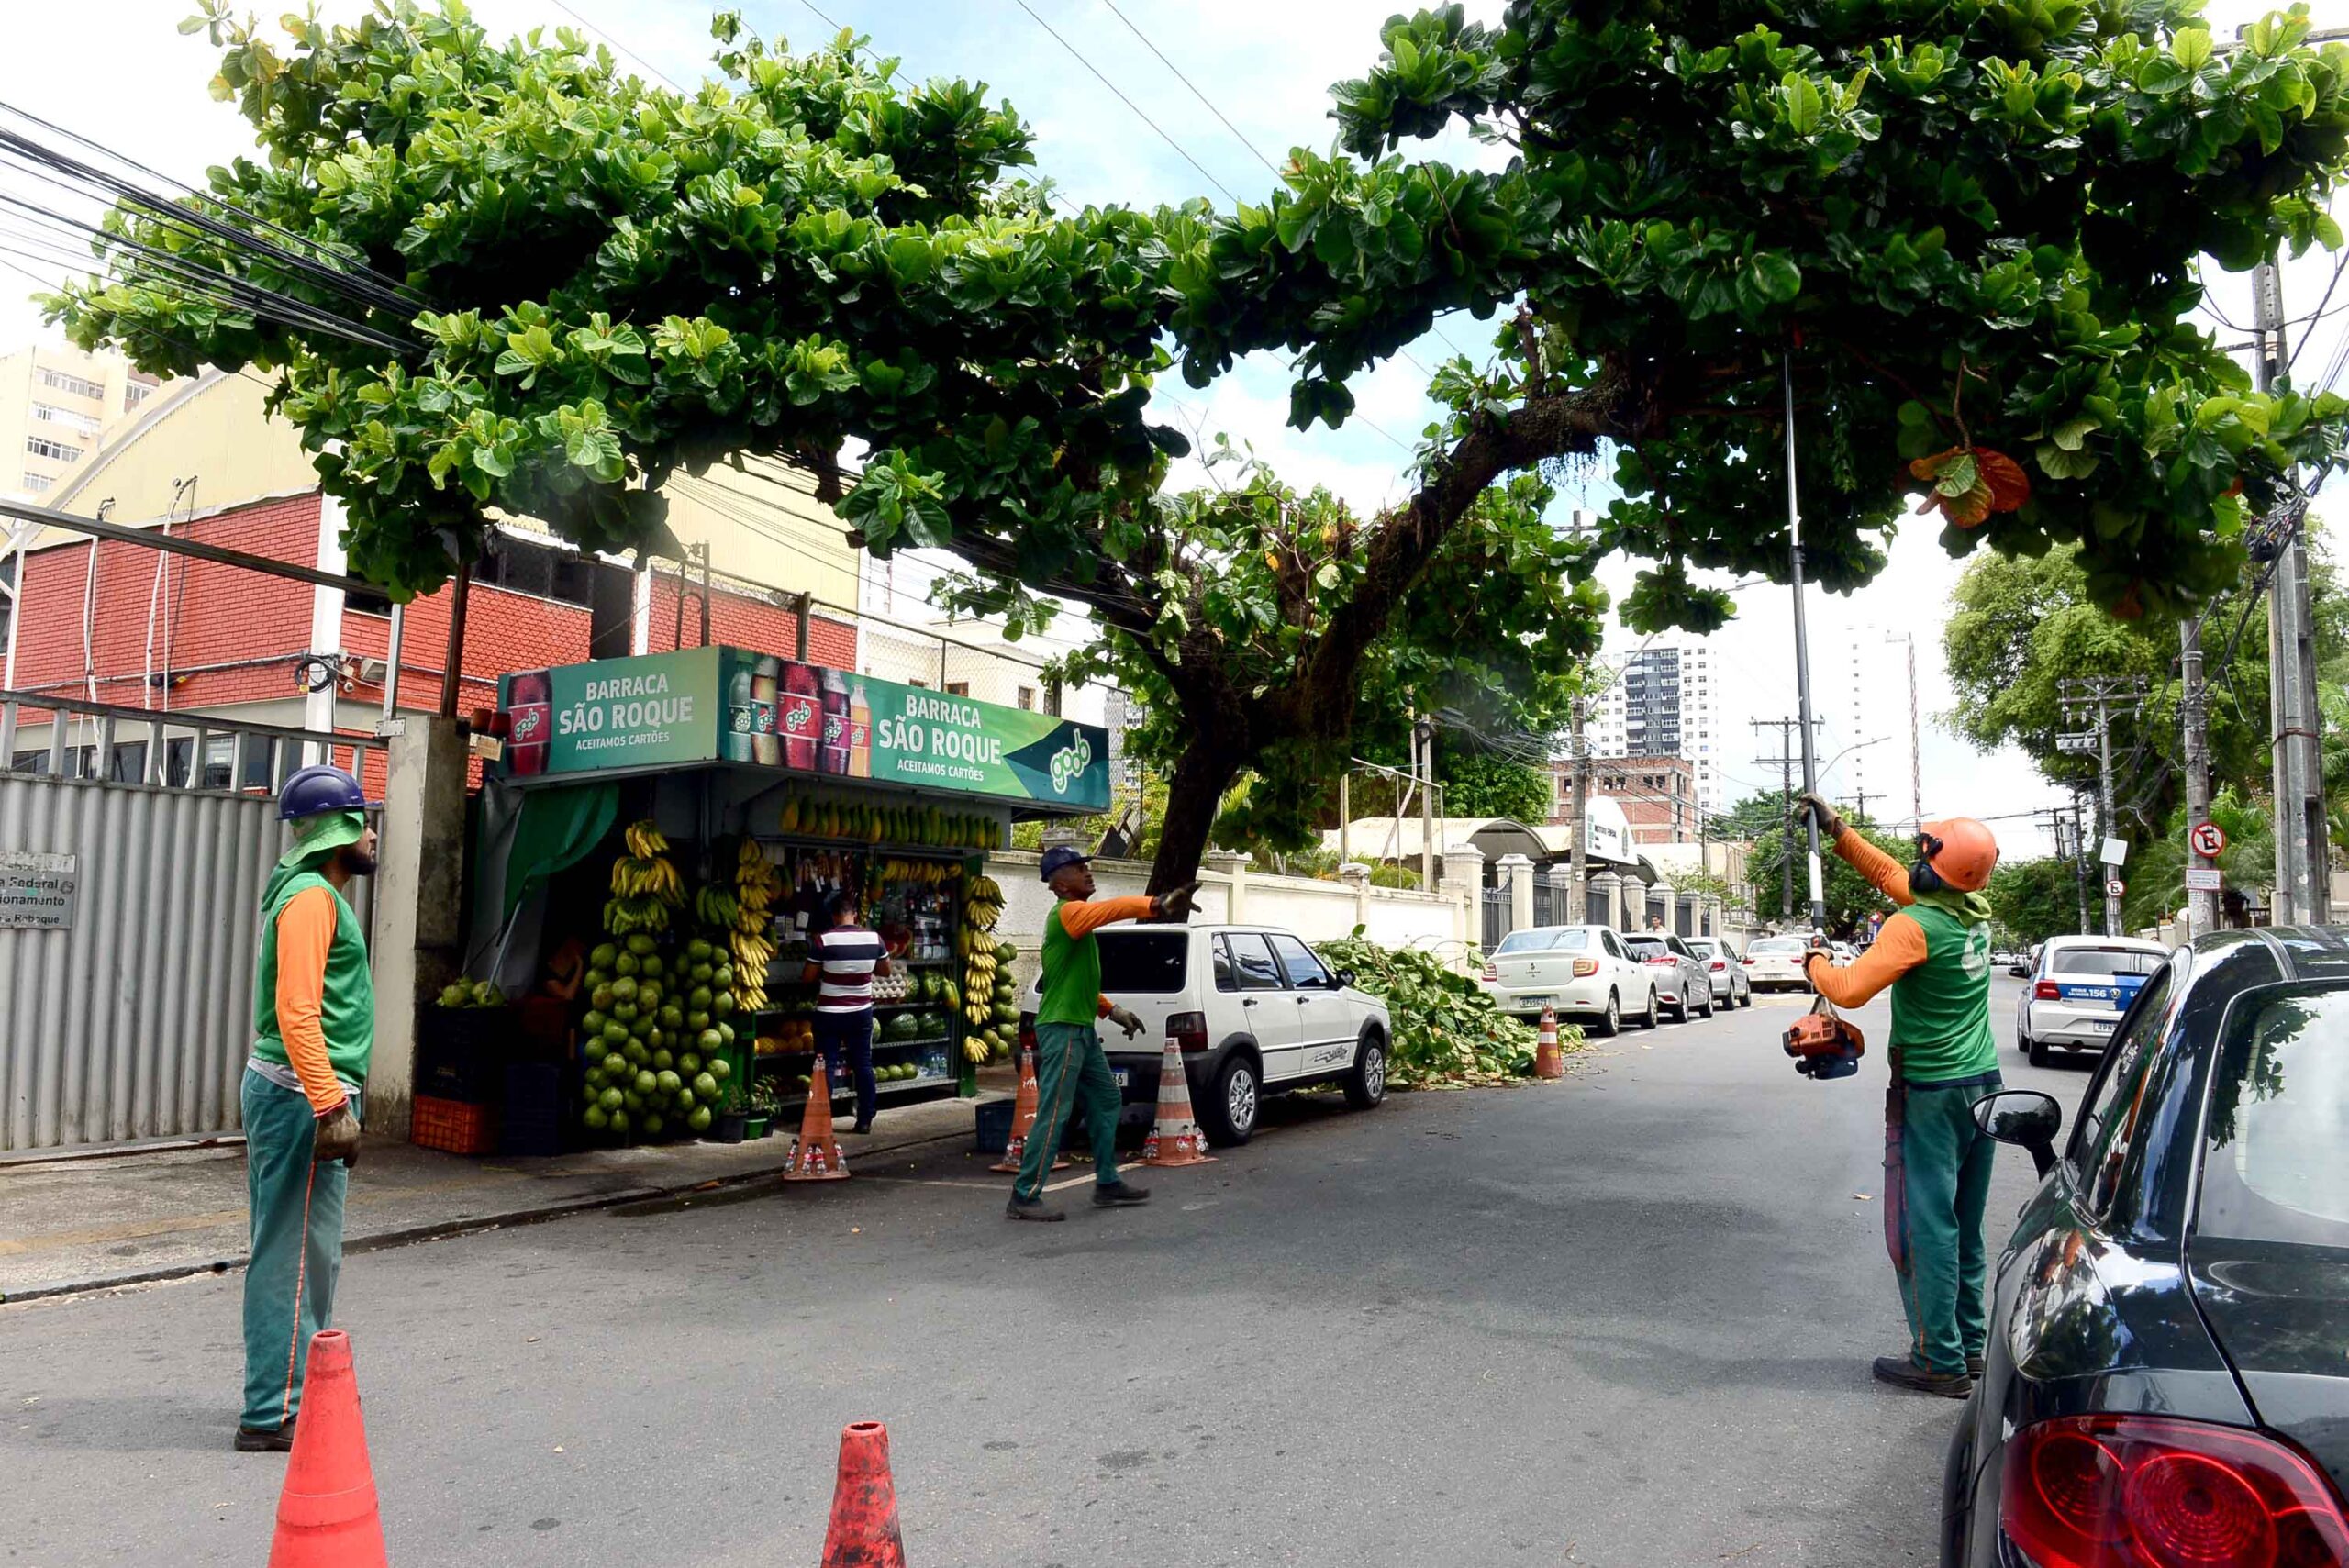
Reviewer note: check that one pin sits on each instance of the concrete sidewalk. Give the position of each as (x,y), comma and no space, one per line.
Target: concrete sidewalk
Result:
(103,1222)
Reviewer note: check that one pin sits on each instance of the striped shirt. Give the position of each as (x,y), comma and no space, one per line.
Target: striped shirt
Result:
(846,955)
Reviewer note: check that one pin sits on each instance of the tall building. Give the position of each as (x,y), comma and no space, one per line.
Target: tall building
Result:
(1666,703)
(1874,713)
(57,406)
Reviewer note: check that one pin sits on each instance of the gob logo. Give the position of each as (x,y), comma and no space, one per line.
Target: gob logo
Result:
(1069,764)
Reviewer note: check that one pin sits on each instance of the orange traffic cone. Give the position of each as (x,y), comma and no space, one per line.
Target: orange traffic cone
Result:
(326,1515)
(1023,1118)
(1549,1062)
(816,1151)
(1175,1137)
(863,1533)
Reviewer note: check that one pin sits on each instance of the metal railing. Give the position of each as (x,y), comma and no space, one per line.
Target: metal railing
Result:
(107,743)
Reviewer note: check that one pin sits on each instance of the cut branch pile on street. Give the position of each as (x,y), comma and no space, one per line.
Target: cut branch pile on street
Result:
(1448,1033)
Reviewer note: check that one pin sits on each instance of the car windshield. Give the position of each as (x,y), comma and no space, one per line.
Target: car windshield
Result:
(1143,961)
(2105,960)
(1650,948)
(1703,947)
(1780,945)
(1568,940)
(2277,1167)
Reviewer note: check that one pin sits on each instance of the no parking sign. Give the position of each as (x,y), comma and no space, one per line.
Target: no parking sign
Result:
(2206,840)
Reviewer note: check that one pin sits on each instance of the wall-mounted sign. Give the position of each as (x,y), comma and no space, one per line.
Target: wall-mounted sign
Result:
(738,706)
(38,891)
(2205,879)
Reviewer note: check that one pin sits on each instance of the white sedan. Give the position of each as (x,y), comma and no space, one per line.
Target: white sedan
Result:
(1775,963)
(1582,971)
(2079,988)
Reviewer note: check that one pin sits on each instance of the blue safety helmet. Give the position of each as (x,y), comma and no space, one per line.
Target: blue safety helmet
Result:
(1056,857)
(322,788)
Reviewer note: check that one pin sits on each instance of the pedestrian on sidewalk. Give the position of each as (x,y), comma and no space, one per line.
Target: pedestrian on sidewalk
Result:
(1934,954)
(314,1031)
(1072,1071)
(842,961)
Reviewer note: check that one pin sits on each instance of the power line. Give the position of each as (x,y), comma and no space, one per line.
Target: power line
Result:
(1181,151)
(1193,86)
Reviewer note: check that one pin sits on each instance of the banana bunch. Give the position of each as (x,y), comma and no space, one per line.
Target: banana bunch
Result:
(986,905)
(645,886)
(974,1049)
(978,982)
(756,887)
(715,906)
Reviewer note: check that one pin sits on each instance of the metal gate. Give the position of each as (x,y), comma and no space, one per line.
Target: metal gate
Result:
(129,1015)
(1496,914)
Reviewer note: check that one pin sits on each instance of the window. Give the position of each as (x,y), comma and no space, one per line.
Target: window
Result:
(1027,698)
(2110,1109)
(524,566)
(1143,961)
(78,386)
(56,452)
(1253,959)
(2277,1167)
(133,393)
(2104,961)
(1571,938)
(1226,978)
(49,413)
(1305,972)
(957,689)
(36,482)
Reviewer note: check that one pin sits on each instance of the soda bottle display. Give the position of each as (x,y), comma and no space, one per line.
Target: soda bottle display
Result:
(860,734)
(801,721)
(766,719)
(529,722)
(741,717)
(834,758)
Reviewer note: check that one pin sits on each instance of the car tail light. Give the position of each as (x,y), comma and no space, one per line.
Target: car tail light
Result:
(1189,1029)
(1747,961)
(1662,958)
(2046,991)
(2156,1492)
(1585,968)
(1491,971)
(1717,963)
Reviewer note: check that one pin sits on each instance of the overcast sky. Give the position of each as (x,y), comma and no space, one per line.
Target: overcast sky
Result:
(117,71)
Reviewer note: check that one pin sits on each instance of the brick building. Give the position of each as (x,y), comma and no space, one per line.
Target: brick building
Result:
(1657,795)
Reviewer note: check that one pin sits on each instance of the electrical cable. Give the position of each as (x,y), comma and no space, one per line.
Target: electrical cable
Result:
(1180,150)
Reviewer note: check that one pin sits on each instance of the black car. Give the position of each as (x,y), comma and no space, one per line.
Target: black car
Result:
(2167,1381)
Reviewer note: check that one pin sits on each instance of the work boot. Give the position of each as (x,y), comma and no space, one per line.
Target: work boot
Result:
(256,1440)
(862,1126)
(1973,1365)
(1902,1372)
(1118,1195)
(1032,1208)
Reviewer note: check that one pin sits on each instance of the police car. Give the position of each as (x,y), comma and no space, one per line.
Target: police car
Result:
(2079,987)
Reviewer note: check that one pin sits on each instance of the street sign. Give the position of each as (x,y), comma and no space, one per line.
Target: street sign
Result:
(2116,888)
(2208,839)
(37,891)
(2204,878)
(2115,850)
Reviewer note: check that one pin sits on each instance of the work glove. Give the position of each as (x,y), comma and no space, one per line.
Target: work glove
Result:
(337,1137)
(1124,1018)
(1176,905)
(1830,820)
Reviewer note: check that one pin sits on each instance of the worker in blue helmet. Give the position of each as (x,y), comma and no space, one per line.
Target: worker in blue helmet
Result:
(314,1031)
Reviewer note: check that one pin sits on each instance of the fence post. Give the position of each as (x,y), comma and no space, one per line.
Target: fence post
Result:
(420,885)
(1356,876)
(1609,888)
(1518,871)
(1232,866)
(1463,879)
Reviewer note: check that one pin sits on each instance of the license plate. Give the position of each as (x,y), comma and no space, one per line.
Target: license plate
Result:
(1537,1001)
(1120,1074)
(2100,1025)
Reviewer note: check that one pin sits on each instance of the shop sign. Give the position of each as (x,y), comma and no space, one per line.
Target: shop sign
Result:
(612,713)
(37,891)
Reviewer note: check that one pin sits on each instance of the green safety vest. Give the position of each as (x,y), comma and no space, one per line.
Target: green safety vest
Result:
(1072,975)
(1941,1010)
(347,1001)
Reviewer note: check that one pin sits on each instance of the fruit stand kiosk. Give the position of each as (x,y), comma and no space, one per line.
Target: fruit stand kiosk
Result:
(708,806)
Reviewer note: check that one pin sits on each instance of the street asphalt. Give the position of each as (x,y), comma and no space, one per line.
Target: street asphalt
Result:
(1619,1322)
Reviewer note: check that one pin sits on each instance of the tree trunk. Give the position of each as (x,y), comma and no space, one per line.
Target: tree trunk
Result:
(1193,791)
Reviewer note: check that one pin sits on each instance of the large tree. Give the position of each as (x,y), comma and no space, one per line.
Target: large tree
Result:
(1967,227)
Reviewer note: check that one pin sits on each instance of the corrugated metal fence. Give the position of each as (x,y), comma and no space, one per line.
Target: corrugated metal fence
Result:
(135,1020)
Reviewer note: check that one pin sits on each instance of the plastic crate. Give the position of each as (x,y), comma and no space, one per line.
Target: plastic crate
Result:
(530,1118)
(461,1052)
(993,1119)
(458,1126)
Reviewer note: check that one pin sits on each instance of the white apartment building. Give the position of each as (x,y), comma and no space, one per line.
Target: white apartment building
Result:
(1666,702)
(57,405)
(1874,713)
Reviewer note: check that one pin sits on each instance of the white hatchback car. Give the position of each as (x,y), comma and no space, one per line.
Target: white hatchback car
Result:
(1775,963)
(1253,1010)
(2079,988)
(1732,986)
(1584,972)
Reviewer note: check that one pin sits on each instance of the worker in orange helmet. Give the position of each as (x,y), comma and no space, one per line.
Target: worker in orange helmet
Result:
(1934,955)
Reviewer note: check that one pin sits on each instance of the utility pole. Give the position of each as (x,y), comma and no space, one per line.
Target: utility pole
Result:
(1916,741)
(1860,798)
(1424,760)
(2101,694)
(2302,861)
(1579,843)
(2080,859)
(1802,643)
(2194,716)
(1784,762)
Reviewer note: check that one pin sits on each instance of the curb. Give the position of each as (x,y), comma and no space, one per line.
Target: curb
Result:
(439,1230)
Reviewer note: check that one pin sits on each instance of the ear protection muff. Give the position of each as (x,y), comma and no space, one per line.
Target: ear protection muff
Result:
(1923,877)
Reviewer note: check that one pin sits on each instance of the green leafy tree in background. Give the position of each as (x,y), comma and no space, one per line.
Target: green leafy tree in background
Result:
(1850,897)
(1969,229)
(2032,900)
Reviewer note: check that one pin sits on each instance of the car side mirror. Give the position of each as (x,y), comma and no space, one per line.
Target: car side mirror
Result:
(1345,977)
(2024,1117)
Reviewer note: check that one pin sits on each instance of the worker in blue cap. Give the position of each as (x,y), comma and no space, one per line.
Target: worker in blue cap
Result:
(314,1031)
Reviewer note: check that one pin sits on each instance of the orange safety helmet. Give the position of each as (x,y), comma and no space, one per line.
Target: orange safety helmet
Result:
(1961,851)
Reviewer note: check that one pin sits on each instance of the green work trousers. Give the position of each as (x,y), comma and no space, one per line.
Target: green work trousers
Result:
(1937,1182)
(296,1246)
(1071,1074)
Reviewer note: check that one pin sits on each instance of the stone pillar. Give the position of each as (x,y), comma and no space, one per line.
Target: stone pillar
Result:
(1356,876)
(1564,910)
(1232,865)
(1663,899)
(1463,880)
(420,885)
(1516,873)
(1609,888)
(1712,910)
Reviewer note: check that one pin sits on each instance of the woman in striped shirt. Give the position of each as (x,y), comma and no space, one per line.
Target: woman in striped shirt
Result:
(842,962)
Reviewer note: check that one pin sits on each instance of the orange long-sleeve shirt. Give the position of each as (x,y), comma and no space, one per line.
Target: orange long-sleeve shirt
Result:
(1081,919)
(305,932)
(1900,945)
